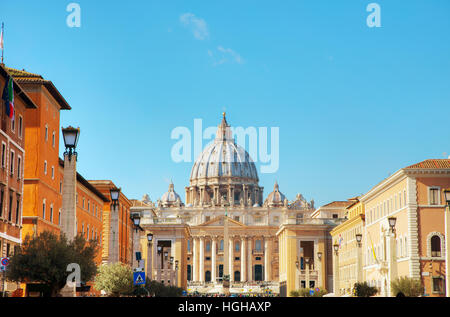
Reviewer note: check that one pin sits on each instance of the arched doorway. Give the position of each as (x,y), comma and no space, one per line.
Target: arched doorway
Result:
(237,276)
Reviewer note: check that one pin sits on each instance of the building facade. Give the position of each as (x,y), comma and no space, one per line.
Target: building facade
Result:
(12,140)
(189,239)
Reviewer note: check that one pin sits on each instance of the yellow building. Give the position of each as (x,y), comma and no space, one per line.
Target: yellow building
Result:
(347,264)
(415,248)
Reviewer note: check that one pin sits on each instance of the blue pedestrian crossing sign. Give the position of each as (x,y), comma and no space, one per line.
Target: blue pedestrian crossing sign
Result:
(139,278)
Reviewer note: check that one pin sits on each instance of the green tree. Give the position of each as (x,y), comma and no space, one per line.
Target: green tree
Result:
(364,290)
(44,259)
(160,290)
(410,287)
(115,279)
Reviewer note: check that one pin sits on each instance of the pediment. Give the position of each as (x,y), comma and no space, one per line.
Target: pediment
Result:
(218,222)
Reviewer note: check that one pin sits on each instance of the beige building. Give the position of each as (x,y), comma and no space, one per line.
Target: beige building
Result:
(413,247)
(347,263)
(187,248)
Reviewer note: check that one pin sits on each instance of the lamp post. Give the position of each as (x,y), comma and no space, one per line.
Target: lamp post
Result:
(336,269)
(447,242)
(176,272)
(307,260)
(113,256)
(160,262)
(359,270)
(136,217)
(149,255)
(392,265)
(69,207)
(319,269)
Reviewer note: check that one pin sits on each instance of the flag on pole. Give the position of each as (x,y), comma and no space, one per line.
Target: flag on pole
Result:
(1,38)
(373,250)
(8,98)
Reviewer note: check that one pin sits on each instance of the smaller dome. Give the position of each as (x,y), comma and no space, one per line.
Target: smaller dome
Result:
(171,198)
(275,198)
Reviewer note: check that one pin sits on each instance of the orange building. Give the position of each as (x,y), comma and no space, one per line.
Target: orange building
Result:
(43,183)
(125,223)
(12,140)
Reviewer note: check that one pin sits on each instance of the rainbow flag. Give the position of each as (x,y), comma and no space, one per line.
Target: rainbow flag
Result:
(8,98)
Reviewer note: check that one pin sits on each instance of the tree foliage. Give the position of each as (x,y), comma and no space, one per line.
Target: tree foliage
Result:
(115,279)
(160,290)
(44,259)
(364,290)
(410,287)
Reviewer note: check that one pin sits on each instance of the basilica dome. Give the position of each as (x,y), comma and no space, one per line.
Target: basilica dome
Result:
(275,198)
(224,161)
(170,198)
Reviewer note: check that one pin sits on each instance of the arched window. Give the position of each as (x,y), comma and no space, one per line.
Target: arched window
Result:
(221,245)
(258,245)
(435,246)
(208,246)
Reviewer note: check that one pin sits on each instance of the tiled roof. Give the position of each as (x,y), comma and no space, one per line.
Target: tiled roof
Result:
(338,204)
(431,164)
(22,76)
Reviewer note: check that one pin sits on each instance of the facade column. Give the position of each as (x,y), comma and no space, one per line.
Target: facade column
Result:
(266,259)
(213,259)
(392,263)
(243,258)
(336,273)
(195,260)
(231,258)
(249,259)
(202,260)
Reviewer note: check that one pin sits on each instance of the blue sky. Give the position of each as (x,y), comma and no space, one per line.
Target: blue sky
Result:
(353,104)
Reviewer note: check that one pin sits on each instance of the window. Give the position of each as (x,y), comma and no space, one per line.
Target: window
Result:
(60,187)
(53,172)
(53,139)
(236,218)
(17,211)
(13,125)
(221,245)
(207,218)
(335,216)
(19,167)
(43,209)
(258,245)
(3,155)
(208,246)
(46,133)
(20,126)
(10,207)
(438,285)
(12,163)
(45,167)
(434,196)
(51,213)
(1,202)
(59,216)
(189,245)
(237,246)
(435,246)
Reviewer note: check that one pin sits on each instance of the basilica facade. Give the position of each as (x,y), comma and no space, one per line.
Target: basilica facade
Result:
(271,245)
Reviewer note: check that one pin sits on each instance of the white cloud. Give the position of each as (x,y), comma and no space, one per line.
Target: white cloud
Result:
(197,25)
(223,55)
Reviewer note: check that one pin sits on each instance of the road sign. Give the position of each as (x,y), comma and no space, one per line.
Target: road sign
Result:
(5,261)
(139,278)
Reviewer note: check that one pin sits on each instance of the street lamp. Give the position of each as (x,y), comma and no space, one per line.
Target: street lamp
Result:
(159,249)
(336,248)
(358,237)
(115,193)
(150,238)
(447,197)
(392,222)
(136,221)
(70,136)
